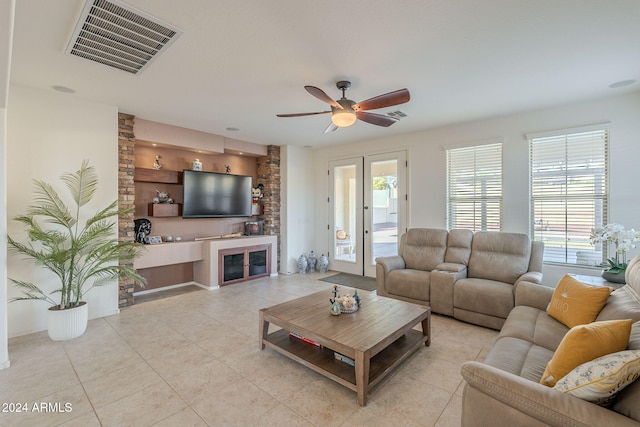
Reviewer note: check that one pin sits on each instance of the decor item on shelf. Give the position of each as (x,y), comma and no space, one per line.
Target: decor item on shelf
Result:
(168,239)
(163,197)
(81,255)
(227,169)
(623,240)
(177,239)
(156,163)
(254,228)
(323,263)
(142,228)
(196,165)
(302,264)
(256,194)
(312,261)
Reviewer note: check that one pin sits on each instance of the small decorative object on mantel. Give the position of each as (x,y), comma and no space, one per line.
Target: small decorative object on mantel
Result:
(616,267)
(227,169)
(323,263)
(312,261)
(302,264)
(196,165)
(142,229)
(156,163)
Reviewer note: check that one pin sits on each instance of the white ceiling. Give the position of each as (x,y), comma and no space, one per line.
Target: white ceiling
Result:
(239,63)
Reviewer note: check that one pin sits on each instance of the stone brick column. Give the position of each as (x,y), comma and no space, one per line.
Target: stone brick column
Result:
(126,196)
(269,176)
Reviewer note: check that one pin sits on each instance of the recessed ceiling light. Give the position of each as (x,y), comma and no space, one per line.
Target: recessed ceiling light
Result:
(232,129)
(63,89)
(622,83)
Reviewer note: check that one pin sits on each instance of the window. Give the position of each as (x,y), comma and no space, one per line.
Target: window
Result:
(474,187)
(568,179)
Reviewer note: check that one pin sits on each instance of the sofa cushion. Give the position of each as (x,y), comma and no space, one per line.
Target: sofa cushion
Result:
(413,284)
(584,343)
(634,338)
(600,379)
(423,248)
(623,303)
(534,325)
(626,402)
(575,303)
(499,256)
(483,296)
(519,357)
(459,246)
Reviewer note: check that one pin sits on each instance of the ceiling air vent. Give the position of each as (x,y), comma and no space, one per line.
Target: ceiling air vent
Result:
(114,34)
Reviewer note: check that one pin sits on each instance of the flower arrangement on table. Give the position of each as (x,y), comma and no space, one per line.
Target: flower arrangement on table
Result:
(623,240)
(347,303)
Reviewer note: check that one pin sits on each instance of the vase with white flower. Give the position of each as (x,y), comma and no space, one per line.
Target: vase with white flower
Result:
(623,240)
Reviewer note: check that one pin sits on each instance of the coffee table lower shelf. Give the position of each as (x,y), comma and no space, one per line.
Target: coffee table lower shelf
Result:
(322,360)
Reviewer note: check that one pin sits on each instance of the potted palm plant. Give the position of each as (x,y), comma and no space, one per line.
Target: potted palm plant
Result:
(78,248)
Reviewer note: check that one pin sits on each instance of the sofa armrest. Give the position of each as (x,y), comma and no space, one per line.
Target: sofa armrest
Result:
(389,263)
(384,265)
(443,278)
(533,295)
(503,393)
(452,267)
(530,276)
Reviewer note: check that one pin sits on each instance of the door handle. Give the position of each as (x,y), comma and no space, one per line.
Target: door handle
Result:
(366,207)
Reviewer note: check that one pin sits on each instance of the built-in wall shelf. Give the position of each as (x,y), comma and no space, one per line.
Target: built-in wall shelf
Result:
(157,175)
(165,209)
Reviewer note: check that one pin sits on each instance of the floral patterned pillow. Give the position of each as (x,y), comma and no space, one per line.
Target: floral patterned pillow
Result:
(599,380)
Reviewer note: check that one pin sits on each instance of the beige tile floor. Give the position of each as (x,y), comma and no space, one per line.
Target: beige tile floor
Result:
(193,360)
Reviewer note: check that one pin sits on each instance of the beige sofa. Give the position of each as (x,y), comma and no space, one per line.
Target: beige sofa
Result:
(505,389)
(471,277)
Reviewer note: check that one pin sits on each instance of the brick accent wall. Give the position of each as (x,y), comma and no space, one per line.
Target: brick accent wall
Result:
(269,176)
(126,196)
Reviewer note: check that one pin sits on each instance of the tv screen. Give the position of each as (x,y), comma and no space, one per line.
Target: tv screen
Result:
(215,195)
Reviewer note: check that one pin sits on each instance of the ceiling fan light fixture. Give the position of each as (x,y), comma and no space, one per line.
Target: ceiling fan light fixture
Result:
(343,118)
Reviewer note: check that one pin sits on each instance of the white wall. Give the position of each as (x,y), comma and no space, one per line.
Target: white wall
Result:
(50,134)
(7,12)
(297,207)
(427,171)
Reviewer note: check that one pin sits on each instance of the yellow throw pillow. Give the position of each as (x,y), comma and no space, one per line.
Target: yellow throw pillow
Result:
(575,303)
(584,343)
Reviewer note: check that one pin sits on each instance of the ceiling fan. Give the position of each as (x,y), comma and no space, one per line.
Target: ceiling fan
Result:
(344,112)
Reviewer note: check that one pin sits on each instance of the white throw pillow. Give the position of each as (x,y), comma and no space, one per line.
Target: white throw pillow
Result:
(599,380)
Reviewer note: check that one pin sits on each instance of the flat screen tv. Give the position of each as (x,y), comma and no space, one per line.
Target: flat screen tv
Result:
(215,195)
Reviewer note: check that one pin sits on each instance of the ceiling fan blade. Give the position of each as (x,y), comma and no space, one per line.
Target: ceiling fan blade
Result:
(376,119)
(319,93)
(302,114)
(330,128)
(387,100)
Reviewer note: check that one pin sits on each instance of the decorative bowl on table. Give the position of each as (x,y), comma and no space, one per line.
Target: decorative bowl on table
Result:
(348,304)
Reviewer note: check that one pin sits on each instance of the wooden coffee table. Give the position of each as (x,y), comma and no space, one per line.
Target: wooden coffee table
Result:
(378,337)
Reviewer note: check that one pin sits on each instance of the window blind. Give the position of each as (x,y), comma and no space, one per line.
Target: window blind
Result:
(474,187)
(568,184)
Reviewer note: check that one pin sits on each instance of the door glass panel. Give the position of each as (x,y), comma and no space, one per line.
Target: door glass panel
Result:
(257,263)
(384,208)
(233,267)
(345,198)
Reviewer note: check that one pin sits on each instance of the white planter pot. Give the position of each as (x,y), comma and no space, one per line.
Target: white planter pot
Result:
(69,323)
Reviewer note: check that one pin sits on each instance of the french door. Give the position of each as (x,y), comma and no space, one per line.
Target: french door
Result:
(368,206)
